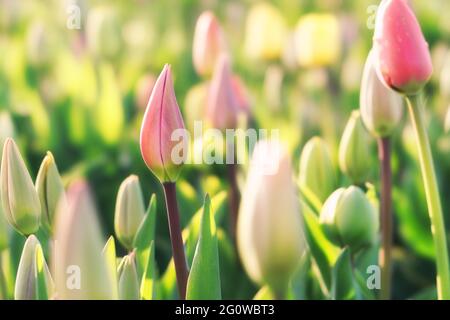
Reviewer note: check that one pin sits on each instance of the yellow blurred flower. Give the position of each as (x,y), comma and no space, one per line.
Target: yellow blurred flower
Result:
(266,32)
(318,40)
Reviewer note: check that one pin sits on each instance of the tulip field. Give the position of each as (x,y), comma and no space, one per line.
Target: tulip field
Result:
(224,150)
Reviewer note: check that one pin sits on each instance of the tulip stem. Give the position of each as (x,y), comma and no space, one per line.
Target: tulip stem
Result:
(234,197)
(384,154)
(179,257)
(432,196)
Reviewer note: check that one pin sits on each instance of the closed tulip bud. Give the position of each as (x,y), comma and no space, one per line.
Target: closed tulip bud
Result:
(19,197)
(33,279)
(349,219)
(128,278)
(162,119)
(3,231)
(103,32)
(381,108)
(265,33)
(50,190)
(209,43)
(269,230)
(129,212)
(317,173)
(223,104)
(80,268)
(318,40)
(354,153)
(402,54)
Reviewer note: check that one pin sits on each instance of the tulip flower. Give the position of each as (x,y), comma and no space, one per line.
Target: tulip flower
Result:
(403,58)
(349,219)
(129,212)
(317,173)
(209,43)
(354,153)
(318,40)
(128,278)
(223,103)
(80,268)
(381,108)
(50,190)
(33,280)
(269,230)
(403,62)
(161,119)
(265,32)
(3,231)
(19,197)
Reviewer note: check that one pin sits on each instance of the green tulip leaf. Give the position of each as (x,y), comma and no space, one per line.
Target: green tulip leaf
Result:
(204,278)
(148,282)
(109,252)
(342,285)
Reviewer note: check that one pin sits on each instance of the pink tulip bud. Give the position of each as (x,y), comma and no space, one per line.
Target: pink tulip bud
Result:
(161,119)
(403,58)
(223,103)
(209,43)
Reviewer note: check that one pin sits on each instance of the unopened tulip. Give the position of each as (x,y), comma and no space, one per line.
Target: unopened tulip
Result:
(381,108)
(316,169)
(318,40)
(223,104)
(269,230)
(50,190)
(209,43)
(162,118)
(3,230)
(33,280)
(402,54)
(80,268)
(129,212)
(349,219)
(19,197)
(354,152)
(128,278)
(265,33)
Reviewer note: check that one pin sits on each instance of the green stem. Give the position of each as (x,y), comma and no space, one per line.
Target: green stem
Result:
(432,195)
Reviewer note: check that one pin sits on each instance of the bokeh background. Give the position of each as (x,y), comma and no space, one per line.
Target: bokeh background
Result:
(81,93)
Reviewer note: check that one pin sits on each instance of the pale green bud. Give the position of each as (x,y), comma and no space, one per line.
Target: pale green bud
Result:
(381,108)
(354,151)
(50,190)
(19,197)
(129,288)
(129,212)
(3,230)
(316,169)
(80,269)
(33,280)
(349,219)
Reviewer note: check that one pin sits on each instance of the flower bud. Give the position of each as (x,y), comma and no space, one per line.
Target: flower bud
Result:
(33,279)
(129,212)
(269,229)
(80,268)
(354,153)
(161,121)
(316,169)
(103,32)
(223,104)
(402,55)
(318,40)
(265,33)
(50,190)
(3,230)
(209,43)
(128,278)
(381,108)
(19,197)
(349,219)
